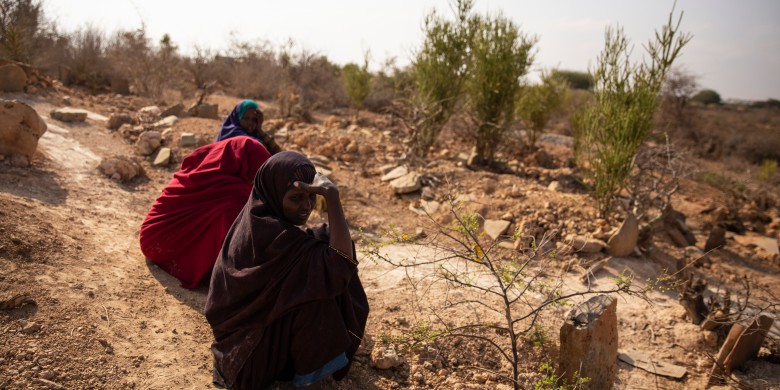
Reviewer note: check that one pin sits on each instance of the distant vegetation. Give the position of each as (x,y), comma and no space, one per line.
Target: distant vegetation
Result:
(467,75)
(706,97)
(576,80)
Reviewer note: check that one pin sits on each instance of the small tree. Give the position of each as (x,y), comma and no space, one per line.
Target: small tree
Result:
(357,82)
(22,25)
(439,71)
(576,80)
(677,90)
(539,102)
(626,97)
(500,57)
(512,290)
(706,97)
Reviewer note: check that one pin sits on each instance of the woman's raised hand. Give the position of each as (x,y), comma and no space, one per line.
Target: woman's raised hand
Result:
(321,185)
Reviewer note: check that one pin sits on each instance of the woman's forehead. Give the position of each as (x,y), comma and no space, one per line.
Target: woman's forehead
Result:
(295,191)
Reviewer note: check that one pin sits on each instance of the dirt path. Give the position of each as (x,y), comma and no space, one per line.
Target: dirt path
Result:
(154,327)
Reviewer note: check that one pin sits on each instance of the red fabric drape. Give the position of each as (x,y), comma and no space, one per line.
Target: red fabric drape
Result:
(184,229)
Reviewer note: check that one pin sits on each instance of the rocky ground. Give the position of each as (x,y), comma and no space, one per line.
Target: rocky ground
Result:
(81,308)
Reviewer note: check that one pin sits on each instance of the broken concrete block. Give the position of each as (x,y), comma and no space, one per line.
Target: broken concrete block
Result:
(589,343)
(188,139)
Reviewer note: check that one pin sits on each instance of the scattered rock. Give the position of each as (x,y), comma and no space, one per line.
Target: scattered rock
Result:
(16,302)
(167,136)
(149,114)
(586,244)
(163,157)
(49,384)
(148,142)
(175,110)
(167,121)
(384,357)
(495,227)
(395,173)
(623,242)
(120,168)
(428,193)
(554,186)
(716,239)
(31,327)
(188,140)
(203,110)
(68,114)
(20,129)
(116,120)
(407,183)
(47,374)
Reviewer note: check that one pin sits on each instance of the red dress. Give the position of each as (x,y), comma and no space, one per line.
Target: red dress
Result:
(184,229)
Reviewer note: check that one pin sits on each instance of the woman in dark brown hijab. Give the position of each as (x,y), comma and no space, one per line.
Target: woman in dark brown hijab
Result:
(285,303)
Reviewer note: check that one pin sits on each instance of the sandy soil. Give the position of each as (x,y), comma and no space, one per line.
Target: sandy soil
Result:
(100,316)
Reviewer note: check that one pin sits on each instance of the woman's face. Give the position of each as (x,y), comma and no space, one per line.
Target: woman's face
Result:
(297,205)
(252,120)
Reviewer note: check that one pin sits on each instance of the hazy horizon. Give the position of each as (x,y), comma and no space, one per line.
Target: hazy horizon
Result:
(734,50)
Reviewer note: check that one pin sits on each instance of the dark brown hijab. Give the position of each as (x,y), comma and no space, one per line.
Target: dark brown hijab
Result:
(268,267)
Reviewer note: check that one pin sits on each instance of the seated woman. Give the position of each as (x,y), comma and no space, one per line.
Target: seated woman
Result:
(246,119)
(285,303)
(185,227)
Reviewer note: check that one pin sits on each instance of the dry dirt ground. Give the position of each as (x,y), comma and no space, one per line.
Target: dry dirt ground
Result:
(98,315)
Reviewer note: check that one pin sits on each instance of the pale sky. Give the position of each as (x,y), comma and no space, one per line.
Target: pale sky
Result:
(735,49)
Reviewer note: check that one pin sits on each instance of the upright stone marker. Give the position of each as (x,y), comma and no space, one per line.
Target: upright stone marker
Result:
(589,342)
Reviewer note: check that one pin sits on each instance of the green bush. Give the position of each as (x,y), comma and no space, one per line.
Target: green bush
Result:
(539,102)
(439,70)
(626,98)
(357,82)
(767,171)
(768,103)
(576,80)
(706,97)
(500,57)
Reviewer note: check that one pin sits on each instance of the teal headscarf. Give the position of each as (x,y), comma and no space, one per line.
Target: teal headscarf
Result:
(245,105)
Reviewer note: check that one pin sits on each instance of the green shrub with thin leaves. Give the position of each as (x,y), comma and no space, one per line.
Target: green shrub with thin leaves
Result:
(626,97)
(357,82)
(439,70)
(539,102)
(500,57)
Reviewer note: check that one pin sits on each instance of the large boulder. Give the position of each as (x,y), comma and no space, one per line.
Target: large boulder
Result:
(12,78)
(20,129)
